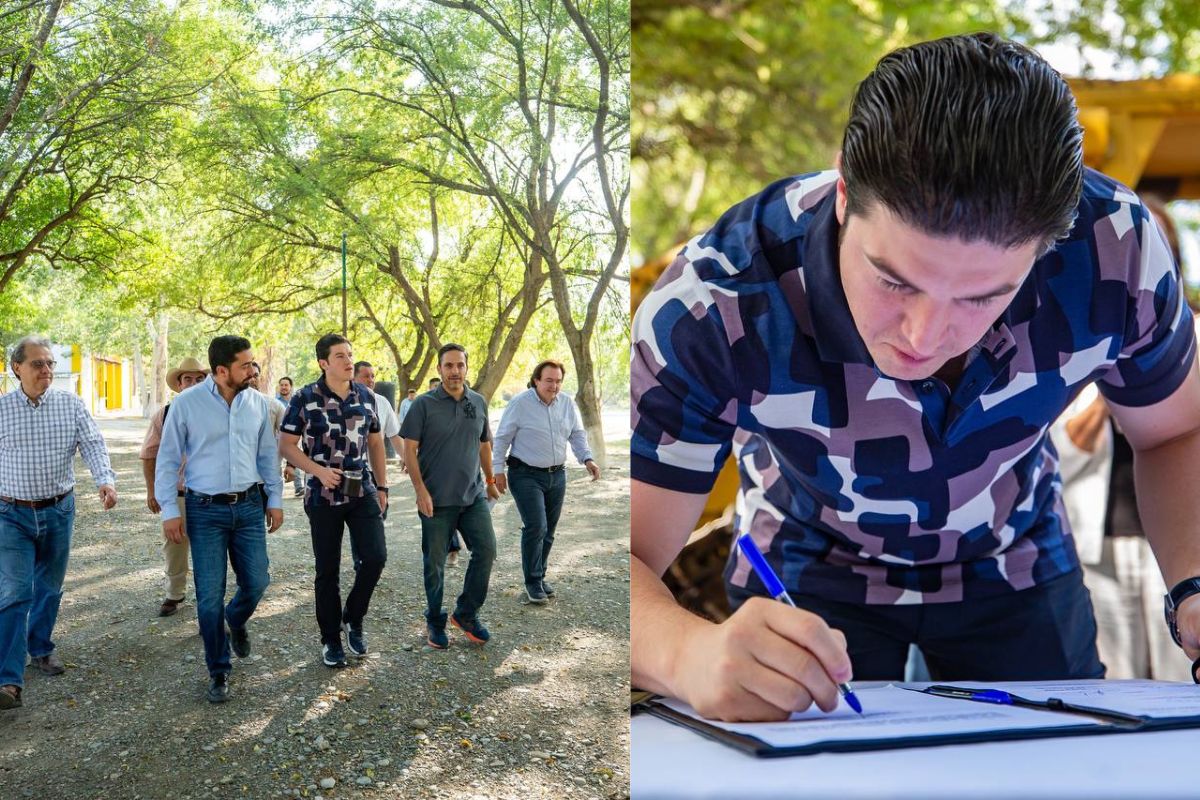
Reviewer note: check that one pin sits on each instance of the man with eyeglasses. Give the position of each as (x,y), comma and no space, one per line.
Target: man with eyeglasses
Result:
(175,554)
(447,440)
(40,430)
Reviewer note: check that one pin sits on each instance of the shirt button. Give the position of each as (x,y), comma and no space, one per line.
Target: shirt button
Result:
(927,387)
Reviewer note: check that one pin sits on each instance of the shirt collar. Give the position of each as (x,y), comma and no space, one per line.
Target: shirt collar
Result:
(836,335)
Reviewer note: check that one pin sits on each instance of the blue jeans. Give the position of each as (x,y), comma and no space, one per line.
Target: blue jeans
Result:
(539,498)
(217,532)
(34,545)
(475,524)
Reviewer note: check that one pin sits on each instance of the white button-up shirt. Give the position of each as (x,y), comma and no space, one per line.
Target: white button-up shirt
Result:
(38,444)
(537,433)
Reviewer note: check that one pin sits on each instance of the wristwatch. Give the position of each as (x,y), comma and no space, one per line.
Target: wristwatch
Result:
(1180,592)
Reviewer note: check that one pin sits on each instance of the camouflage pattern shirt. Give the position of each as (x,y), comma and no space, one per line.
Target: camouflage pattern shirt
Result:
(333,432)
(865,489)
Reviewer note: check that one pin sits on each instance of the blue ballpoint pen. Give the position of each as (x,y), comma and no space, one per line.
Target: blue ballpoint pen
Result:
(776,590)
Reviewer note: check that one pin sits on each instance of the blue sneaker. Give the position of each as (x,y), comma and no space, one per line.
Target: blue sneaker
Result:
(332,655)
(472,628)
(437,638)
(356,643)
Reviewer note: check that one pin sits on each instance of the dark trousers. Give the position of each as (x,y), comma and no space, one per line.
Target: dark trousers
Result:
(475,524)
(1047,632)
(327,524)
(539,499)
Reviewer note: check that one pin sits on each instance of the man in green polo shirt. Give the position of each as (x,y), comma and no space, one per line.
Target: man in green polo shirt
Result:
(447,441)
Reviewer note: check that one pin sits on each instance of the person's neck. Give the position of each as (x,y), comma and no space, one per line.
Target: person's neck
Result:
(340,388)
(462,389)
(227,393)
(36,399)
(545,401)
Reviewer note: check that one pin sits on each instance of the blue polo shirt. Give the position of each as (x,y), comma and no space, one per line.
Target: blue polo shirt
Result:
(866,489)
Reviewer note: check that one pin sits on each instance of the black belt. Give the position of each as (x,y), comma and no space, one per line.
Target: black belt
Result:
(513,461)
(229,498)
(46,503)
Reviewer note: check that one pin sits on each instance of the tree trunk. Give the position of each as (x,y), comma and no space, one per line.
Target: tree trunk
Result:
(159,327)
(588,401)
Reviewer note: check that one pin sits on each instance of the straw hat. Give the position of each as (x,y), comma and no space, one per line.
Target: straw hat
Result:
(187,365)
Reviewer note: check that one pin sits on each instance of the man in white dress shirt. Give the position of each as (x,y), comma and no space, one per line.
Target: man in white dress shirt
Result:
(532,441)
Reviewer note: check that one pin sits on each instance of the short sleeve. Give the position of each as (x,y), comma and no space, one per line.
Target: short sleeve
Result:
(486,434)
(413,426)
(293,420)
(682,382)
(1159,348)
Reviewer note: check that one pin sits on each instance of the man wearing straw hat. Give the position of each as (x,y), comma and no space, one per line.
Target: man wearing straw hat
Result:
(175,555)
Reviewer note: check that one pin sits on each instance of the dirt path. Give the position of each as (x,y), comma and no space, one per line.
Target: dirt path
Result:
(540,712)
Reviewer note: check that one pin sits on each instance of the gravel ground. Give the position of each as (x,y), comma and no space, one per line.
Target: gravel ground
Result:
(539,712)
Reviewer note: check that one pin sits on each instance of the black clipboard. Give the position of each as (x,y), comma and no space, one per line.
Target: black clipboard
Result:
(1119,724)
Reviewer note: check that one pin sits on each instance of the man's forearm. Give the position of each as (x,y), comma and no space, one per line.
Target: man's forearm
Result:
(1165,479)
(485,459)
(148,475)
(658,626)
(295,456)
(414,468)
(378,461)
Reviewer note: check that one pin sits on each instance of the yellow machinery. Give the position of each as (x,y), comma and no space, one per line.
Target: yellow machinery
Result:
(1144,133)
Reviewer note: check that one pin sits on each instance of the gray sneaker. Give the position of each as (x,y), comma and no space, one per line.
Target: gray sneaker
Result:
(535,595)
(48,664)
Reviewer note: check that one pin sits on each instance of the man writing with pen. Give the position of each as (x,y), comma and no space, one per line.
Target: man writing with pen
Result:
(883,348)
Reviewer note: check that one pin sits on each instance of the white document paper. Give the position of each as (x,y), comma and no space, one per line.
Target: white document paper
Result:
(890,712)
(1156,699)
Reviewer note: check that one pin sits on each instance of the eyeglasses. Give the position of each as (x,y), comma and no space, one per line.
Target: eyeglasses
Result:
(39,364)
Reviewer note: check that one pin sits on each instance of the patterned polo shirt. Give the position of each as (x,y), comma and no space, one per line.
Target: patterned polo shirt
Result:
(862,488)
(333,433)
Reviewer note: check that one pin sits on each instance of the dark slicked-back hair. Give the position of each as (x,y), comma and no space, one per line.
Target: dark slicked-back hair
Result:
(223,350)
(327,343)
(544,365)
(974,137)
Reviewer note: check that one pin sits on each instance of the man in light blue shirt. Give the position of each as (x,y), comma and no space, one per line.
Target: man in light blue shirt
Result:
(534,432)
(226,435)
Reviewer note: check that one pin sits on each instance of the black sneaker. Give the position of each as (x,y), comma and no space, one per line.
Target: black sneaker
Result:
(218,688)
(548,589)
(356,643)
(472,628)
(333,655)
(437,638)
(534,594)
(239,639)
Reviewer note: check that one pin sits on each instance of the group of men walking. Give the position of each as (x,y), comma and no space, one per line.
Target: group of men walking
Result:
(215,459)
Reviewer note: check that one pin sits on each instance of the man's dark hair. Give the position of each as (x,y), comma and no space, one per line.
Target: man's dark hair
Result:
(545,365)
(223,350)
(447,348)
(434,381)
(973,136)
(412,391)
(289,380)
(327,342)
(359,365)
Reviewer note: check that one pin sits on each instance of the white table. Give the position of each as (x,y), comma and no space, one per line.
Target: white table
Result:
(668,761)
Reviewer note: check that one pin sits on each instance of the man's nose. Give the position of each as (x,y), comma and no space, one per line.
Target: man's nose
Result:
(925,324)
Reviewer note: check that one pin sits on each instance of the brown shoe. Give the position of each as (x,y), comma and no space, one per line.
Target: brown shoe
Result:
(10,697)
(169,607)
(49,665)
